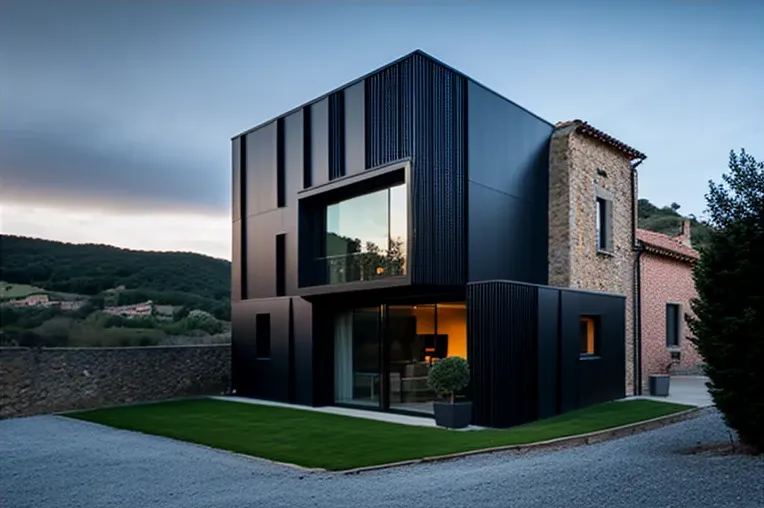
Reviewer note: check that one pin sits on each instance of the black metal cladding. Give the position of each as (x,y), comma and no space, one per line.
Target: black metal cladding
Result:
(389,115)
(281,265)
(417,109)
(502,326)
(280,171)
(439,174)
(587,381)
(263,378)
(307,167)
(336,135)
(524,351)
(508,179)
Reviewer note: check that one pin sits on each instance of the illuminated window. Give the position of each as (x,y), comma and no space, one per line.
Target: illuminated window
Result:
(589,336)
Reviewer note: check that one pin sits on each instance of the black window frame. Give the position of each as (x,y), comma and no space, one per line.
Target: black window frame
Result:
(675,326)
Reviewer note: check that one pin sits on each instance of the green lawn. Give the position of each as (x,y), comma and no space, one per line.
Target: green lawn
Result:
(333,442)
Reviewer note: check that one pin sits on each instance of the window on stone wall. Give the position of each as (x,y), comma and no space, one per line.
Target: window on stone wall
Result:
(589,336)
(673,324)
(263,335)
(604,224)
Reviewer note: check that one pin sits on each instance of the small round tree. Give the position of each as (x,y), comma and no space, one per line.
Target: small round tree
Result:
(449,375)
(729,310)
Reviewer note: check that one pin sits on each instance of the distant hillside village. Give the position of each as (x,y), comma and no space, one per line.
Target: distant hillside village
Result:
(44,299)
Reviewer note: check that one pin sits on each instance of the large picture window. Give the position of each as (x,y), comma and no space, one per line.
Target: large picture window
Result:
(366,236)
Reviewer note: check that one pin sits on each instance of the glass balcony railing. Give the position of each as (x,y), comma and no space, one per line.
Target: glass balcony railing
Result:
(363,266)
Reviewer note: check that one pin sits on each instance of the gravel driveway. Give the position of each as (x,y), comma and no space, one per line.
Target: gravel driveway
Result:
(60,463)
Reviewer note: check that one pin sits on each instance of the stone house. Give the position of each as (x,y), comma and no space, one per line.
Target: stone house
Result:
(592,217)
(666,288)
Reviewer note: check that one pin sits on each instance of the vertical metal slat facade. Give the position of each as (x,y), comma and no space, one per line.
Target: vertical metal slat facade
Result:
(502,323)
(336,135)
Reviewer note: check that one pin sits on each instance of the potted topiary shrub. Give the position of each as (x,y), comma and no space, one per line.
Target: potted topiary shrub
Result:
(447,376)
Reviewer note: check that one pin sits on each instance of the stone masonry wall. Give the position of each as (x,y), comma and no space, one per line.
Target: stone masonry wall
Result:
(578,165)
(665,280)
(38,381)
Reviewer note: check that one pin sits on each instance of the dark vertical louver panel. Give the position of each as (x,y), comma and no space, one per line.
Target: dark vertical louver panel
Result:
(439,174)
(236,183)
(236,257)
(336,135)
(389,115)
(280,161)
(417,109)
(502,330)
(319,142)
(281,264)
(355,130)
(241,273)
(307,167)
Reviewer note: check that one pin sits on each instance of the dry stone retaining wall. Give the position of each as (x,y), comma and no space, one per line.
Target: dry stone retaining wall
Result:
(49,380)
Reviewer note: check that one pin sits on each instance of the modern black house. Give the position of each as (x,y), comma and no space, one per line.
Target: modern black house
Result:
(400,219)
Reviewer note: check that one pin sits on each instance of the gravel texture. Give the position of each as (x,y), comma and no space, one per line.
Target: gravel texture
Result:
(56,462)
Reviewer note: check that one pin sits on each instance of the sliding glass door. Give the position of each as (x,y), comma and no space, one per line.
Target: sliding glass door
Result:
(357,360)
(383,354)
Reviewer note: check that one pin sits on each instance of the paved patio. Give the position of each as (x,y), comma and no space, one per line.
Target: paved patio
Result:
(689,390)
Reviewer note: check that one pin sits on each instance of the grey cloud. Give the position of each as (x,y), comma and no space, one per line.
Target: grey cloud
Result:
(44,168)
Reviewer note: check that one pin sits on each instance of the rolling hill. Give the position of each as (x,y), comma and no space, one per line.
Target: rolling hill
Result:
(668,220)
(89,269)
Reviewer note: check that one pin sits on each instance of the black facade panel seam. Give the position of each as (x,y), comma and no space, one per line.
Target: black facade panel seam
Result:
(280,161)
(243,291)
(508,194)
(307,163)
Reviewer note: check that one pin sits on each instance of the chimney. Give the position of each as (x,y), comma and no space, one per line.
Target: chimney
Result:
(685,238)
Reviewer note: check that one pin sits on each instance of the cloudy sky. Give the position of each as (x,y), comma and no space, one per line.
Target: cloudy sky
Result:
(116,117)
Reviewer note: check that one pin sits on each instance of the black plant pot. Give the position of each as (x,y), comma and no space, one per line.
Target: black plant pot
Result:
(453,416)
(659,385)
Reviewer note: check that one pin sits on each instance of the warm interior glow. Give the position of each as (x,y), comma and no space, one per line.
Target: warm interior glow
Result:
(452,321)
(589,323)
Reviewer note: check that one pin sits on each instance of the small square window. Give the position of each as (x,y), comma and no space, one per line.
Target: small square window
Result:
(589,336)
(263,335)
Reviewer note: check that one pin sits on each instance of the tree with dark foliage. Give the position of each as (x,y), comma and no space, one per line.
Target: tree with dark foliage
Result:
(729,311)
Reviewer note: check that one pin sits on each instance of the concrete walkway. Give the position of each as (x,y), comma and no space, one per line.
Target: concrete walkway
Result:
(690,390)
(419,421)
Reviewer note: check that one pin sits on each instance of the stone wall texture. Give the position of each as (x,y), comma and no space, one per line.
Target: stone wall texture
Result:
(578,165)
(38,381)
(665,280)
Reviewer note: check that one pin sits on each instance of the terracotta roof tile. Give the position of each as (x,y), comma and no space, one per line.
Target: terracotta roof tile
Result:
(664,244)
(587,129)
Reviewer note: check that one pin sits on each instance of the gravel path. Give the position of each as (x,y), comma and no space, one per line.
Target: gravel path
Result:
(60,463)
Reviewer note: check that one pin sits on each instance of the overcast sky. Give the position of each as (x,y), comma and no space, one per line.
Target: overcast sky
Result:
(116,117)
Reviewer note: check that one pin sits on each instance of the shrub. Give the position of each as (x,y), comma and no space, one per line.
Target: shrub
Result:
(449,375)
(729,310)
